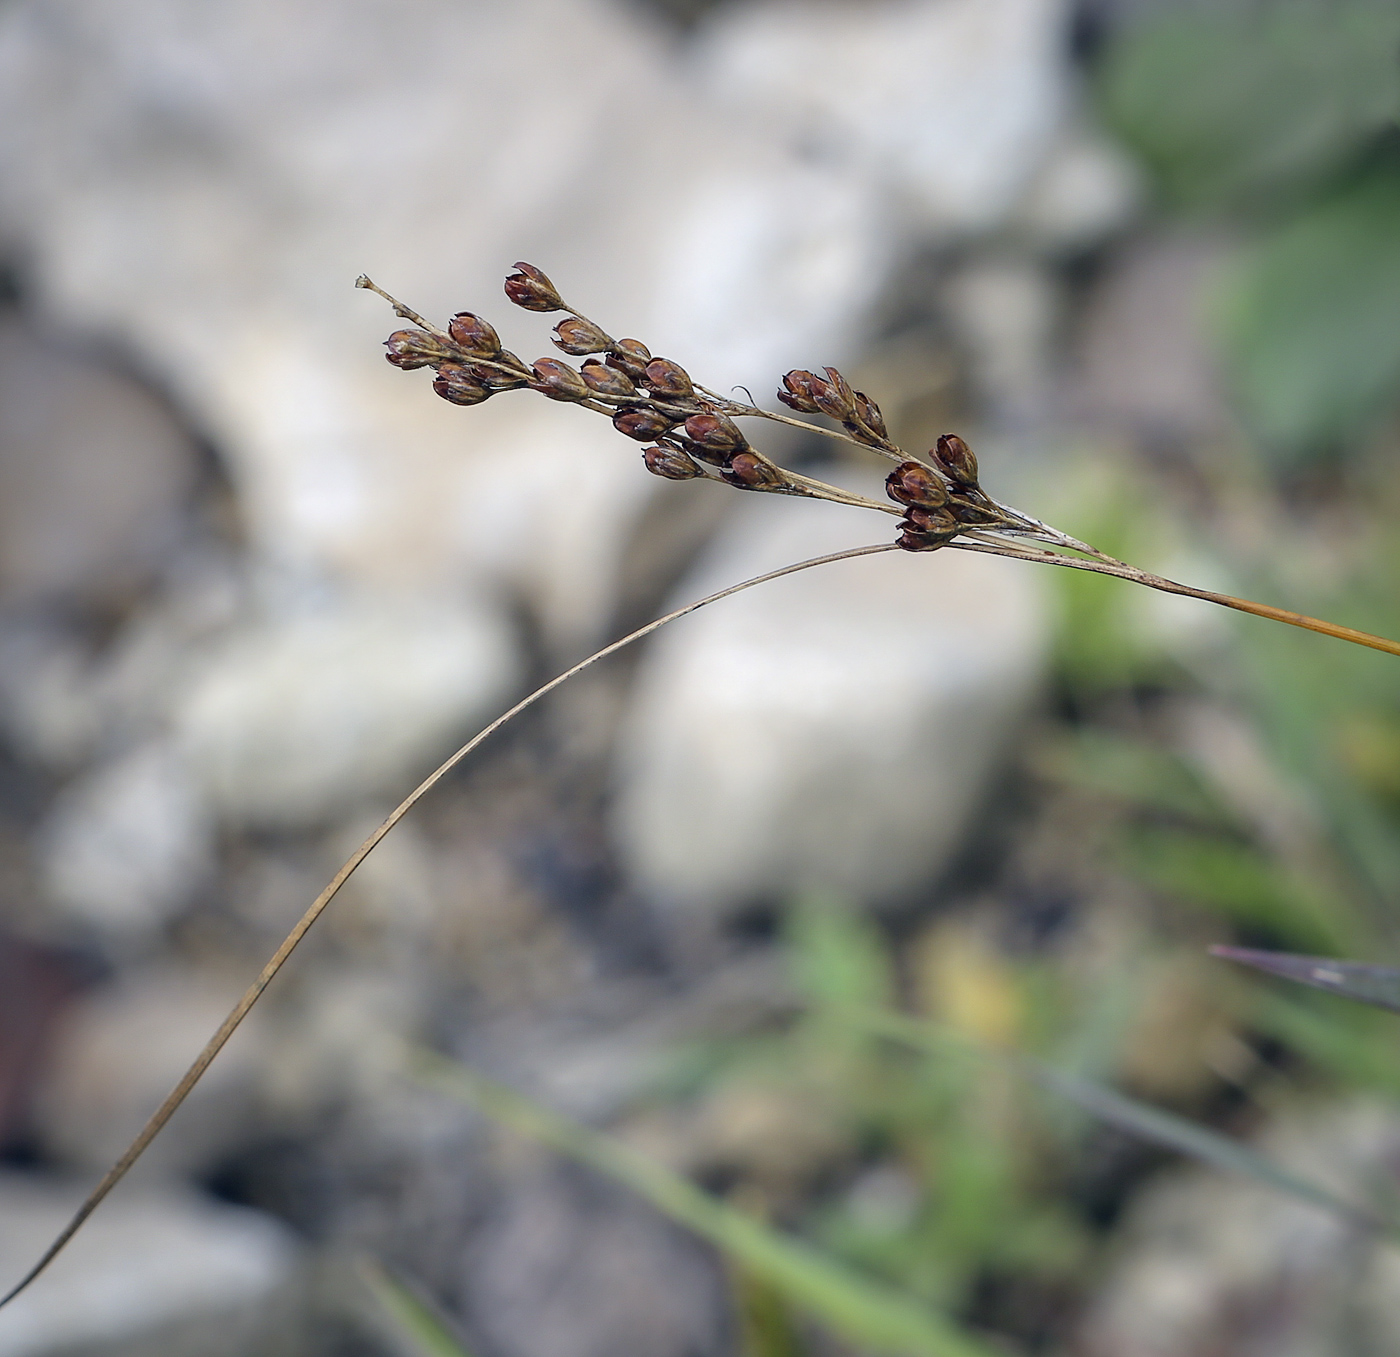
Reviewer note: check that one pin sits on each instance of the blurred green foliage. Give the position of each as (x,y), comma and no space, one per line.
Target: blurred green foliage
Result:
(1278,121)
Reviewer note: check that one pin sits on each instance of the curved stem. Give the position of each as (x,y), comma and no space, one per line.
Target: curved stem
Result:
(254,992)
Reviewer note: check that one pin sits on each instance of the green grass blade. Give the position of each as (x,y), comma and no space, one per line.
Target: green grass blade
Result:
(1367,984)
(410,1319)
(861,1309)
(1195,1141)
(1128,1114)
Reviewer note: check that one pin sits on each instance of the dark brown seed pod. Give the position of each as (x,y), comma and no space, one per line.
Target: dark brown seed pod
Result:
(630,356)
(718,435)
(665,378)
(868,414)
(578,336)
(796,391)
(834,396)
(474,335)
(558,381)
(926,529)
(642,423)
(749,471)
(409,349)
(957,459)
(671,463)
(494,376)
(914,484)
(606,381)
(530,287)
(453,383)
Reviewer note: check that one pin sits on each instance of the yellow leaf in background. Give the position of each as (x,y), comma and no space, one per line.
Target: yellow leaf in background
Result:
(960,977)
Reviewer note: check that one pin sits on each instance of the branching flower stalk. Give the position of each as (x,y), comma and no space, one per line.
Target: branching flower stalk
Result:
(691,434)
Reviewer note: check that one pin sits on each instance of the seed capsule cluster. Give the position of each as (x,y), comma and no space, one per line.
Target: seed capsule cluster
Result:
(691,432)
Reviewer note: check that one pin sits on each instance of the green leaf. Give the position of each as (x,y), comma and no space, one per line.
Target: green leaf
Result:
(1231,102)
(864,1311)
(1309,323)
(1235,880)
(1143,774)
(411,1319)
(1367,984)
(837,957)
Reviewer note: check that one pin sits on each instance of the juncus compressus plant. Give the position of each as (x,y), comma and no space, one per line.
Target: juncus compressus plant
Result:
(689,432)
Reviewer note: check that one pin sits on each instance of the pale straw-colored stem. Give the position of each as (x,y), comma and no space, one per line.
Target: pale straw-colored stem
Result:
(254,992)
(1144,577)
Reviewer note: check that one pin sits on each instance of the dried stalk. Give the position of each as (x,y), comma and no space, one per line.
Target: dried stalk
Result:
(240,1010)
(939,501)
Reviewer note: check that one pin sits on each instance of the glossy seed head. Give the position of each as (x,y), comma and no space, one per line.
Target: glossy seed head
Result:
(530,287)
(671,463)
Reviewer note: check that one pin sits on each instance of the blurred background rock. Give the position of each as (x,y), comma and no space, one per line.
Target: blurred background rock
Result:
(254,582)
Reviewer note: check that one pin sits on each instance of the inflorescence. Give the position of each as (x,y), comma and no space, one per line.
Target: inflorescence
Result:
(691,432)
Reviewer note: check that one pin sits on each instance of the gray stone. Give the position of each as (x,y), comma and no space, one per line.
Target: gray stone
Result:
(948,106)
(833,730)
(126,844)
(120,1049)
(94,473)
(573,1266)
(1212,1264)
(295,717)
(156,1271)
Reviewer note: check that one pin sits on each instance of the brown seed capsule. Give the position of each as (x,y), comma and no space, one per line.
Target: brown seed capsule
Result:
(630,356)
(718,435)
(494,376)
(671,463)
(409,349)
(796,391)
(531,288)
(557,380)
(578,336)
(642,423)
(474,335)
(749,471)
(665,378)
(834,396)
(957,459)
(913,483)
(454,384)
(926,530)
(868,413)
(606,381)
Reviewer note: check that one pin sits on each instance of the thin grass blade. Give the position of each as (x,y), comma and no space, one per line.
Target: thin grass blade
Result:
(1367,984)
(862,1310)
(1195,1141)
(421,1330)
(1136,1118)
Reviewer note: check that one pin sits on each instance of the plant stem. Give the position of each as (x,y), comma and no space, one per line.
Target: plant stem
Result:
(254,992)
(1166,586)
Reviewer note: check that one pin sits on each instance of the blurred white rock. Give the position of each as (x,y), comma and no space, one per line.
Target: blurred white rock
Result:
(1084,190)
(204,185)
(1007,311)
(127,843)
(299,715)
(951,105)
(121,1048)
(831,730)
(1211,1264)
(159,1272)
